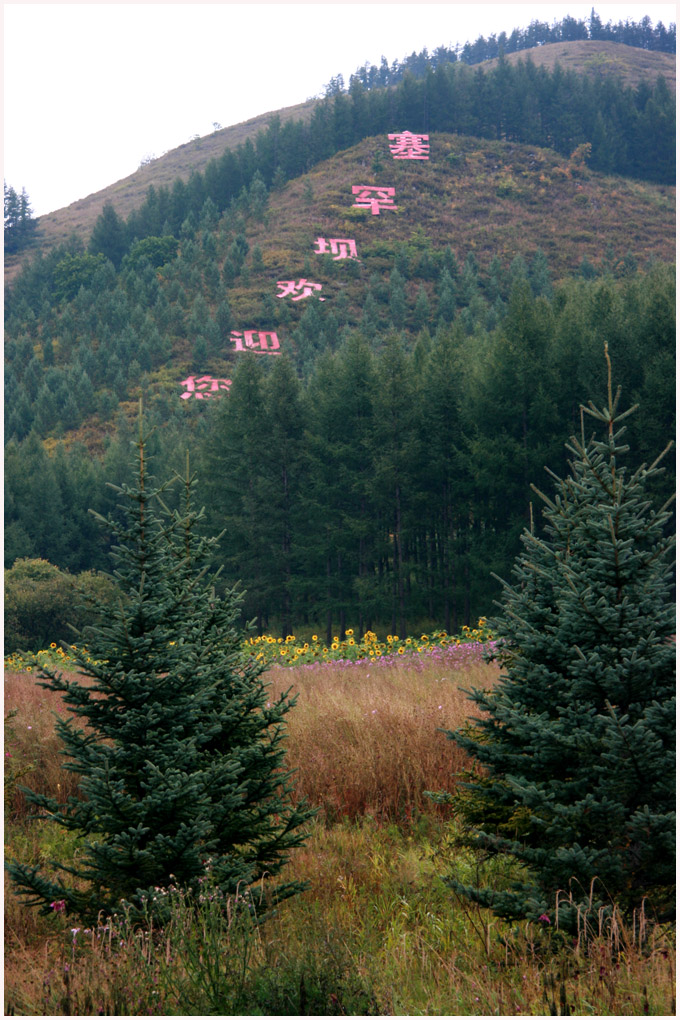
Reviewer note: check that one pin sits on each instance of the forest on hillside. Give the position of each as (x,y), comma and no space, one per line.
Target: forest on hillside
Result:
(386,487)
(642,35)
(378,473)
(628,131)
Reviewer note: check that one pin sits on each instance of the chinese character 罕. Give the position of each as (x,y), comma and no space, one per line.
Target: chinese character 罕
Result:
(382,199)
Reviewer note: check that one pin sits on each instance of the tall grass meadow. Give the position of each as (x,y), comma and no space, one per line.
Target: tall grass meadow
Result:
(377,932)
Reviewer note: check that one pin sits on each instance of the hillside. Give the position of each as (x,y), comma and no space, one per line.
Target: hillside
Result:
(599,58)
(596,58)
(460,228)
(487,198)
(128,193)
(436,345)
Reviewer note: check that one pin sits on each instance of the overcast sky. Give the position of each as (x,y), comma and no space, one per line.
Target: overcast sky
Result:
(93,89)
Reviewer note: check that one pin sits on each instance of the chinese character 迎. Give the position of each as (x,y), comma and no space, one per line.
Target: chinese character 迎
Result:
(383,199)
(266,343)
(340,247)
(197,387)
(408,146)
(289,287)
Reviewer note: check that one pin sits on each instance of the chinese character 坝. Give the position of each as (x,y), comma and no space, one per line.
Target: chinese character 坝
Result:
(340,248)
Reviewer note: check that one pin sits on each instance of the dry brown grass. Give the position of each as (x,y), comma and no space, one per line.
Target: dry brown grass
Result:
(486,197)
(368,740)
(30,740)
(599,58)
(362,739)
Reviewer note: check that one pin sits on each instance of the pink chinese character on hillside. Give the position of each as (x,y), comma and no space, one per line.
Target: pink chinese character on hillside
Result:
(383,198)
(289,288)
(266,342)
(340,248)
(203,387)
(408,146)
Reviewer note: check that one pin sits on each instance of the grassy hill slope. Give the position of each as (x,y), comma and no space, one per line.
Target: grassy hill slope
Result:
(489,198)
(128,193)
(602,58)
(482,199)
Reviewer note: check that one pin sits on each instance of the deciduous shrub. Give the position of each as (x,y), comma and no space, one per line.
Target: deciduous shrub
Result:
(44,603)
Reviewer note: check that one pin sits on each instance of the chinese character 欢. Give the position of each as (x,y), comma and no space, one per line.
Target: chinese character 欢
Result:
(383,199)
(340,247)
(266,343)
(408,146)
(198,387)
(289,287)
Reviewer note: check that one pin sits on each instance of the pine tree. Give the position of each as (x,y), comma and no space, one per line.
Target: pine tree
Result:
(577,738)
(19,222)
(109,236)
(182,763)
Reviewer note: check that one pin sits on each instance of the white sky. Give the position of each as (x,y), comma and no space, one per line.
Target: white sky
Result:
(92,89)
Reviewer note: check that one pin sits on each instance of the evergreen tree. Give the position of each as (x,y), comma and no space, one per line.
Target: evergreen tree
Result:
(577,740)
(396,455)
(109,236)
(421,310)
(19,222)
(397,299)
(182,765)
(338,548)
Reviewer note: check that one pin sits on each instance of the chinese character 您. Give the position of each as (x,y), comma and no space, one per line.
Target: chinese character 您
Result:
(203,387)
(289,287)
(383,199)
(266,342)
(408,146)
(340,248)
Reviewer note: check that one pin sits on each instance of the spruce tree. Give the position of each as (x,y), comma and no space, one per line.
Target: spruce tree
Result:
(181,759)
(576,741)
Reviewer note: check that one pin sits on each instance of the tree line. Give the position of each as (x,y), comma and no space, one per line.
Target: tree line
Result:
(642,34)
(630,132)
(385,487)
(19,223)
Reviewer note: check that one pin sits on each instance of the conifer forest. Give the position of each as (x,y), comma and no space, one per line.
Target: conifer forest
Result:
(378,467)
(404,365)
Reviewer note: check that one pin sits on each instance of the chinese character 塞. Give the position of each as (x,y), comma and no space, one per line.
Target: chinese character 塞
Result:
(409,146)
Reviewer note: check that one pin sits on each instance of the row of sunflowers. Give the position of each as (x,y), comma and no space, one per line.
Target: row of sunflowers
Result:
(290,651)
